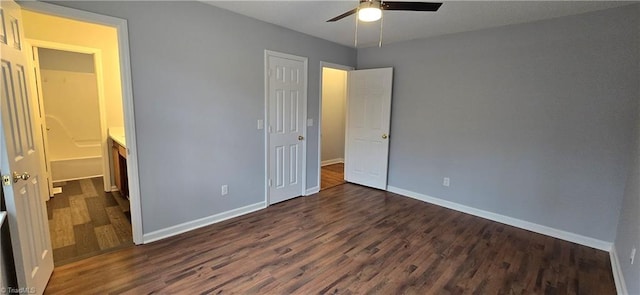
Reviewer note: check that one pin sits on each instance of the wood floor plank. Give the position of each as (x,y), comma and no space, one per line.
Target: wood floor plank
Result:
(61,228)
(120,223)
(345,240)
(86,240)
(79,210)
(97,213)
(331,175)
(106,236)
(69,188)
(88,188)
(82,208)
(107,197)
(64,253)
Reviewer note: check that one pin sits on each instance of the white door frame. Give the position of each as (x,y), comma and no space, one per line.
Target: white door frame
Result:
(267,54)
(324,64)
(127,96)
(98,71)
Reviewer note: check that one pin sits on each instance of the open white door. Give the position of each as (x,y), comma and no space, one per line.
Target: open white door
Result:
(286,94)
(40,124)
(368,121)
(19,160)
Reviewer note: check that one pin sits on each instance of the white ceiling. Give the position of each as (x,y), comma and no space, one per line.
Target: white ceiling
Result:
(309,17)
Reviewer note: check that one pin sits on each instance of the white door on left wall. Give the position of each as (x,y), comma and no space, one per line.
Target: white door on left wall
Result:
(286,83)
(19,160)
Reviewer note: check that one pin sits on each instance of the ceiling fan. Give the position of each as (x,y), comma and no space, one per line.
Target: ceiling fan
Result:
(371,10)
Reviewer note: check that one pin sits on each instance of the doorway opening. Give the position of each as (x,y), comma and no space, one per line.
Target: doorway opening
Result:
(82,87)
(333,103)
(85,216)
(71,108)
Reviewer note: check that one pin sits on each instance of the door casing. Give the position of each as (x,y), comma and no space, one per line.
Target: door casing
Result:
(127,96)
(323,65)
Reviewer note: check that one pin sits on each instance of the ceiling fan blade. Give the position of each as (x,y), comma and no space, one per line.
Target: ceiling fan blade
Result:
(412,6)
(339,17)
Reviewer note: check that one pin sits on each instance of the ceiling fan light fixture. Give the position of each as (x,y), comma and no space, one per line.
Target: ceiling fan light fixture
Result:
(369,11)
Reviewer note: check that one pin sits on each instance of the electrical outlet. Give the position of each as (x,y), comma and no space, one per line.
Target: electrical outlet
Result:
(632,257)
(446,181)
(224,189)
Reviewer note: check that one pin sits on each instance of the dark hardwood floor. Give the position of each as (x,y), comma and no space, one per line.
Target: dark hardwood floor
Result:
(331,175)
(346,240)
(85,221)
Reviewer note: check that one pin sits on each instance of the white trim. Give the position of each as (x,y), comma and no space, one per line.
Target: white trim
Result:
(75,159)
(76,178)
(534,227)
(198,223)
(332,161)
(313,190)
(127,96)
(618,275)
(305,61)
(324,64)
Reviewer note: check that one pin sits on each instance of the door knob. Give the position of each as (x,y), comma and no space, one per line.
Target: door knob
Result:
(385,136)
(17,176)
(300,137)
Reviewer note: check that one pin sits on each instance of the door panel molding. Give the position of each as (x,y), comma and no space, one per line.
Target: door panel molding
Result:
(19,160)
(367,127)
(286,122)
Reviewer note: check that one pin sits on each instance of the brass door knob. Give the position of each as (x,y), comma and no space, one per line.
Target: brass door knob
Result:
(17,176)
(300,137)
(385,136)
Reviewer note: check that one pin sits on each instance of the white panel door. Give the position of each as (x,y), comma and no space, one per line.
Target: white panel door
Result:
(40,124)
(20,160)
(286,116)
(368,121)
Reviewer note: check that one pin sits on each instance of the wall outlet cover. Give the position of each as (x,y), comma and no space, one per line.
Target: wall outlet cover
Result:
(224,189)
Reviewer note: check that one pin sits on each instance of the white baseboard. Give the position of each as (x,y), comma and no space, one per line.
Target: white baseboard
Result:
(534,227)
(618,276)
(332,161)
(311,191)
(191,225)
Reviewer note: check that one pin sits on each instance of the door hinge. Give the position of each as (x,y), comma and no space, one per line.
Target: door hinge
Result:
(6,180)
(269,182)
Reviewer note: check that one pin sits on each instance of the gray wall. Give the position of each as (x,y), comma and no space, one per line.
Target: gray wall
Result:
(334,97)
(198,88)
(531,121)
(628,234)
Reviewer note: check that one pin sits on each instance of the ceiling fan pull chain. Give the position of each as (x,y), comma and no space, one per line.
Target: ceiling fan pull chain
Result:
(381,21)
(356,38)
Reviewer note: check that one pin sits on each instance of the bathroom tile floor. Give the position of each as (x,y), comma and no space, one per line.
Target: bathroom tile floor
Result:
(85,221)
